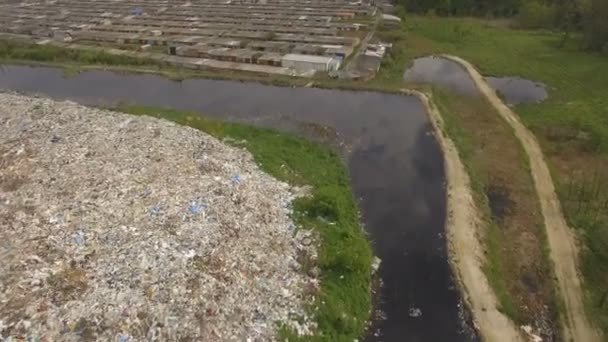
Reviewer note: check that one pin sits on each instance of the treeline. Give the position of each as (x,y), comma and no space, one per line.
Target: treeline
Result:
(589,17)
(462,7)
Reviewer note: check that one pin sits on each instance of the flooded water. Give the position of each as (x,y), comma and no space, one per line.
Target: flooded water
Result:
(446,73)
(442,72)
(515,90)
(395,164)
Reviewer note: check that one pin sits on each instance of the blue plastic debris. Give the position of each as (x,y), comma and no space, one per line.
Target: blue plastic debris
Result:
(195,206)
(137,11)
(123,338)
(155,210)
(235,179)
(79,238)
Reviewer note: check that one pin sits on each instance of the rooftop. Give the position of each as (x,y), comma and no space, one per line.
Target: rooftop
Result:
(306,58)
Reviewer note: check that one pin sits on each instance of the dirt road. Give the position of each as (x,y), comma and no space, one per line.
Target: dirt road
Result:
(463,228)
(562,242)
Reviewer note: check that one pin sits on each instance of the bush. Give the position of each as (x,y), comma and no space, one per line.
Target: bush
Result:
(533,14)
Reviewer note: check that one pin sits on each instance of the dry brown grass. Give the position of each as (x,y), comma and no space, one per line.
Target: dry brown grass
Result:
(518,265)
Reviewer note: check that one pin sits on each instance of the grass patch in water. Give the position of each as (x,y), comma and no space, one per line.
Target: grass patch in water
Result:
(571,125)
(342,307)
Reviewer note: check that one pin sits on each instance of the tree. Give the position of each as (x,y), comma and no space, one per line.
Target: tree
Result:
(568,16)
(534,14)
(596,25)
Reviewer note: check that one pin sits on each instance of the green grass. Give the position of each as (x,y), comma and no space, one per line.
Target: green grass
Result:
(572,125)
(343,304)
(577,89)
(13,50)
(391,70)
(462,138)
(18,51)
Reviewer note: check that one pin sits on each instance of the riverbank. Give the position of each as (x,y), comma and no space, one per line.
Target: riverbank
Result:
(463,226)
(513,236)
(570,125)
(394,162)
(22,50)
(511,282)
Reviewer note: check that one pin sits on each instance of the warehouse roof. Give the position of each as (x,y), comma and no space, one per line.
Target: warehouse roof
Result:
(307,58)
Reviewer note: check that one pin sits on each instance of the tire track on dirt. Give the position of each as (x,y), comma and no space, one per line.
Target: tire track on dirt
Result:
(562,242)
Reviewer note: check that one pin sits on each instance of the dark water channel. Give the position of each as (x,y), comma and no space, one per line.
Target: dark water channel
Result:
(446,73)
(395,164)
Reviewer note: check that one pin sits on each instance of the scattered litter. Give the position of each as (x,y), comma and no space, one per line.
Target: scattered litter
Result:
(376,264)
(415,312)
(83,256)
(235,179)
(155,210)
(123,338)
(79,238)
(196,206)
(147,192)
(533,337)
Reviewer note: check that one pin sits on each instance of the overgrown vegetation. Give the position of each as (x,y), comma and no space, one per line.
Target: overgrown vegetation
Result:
(75,60)
(13,50)
(343,304)
(517,265)
(462,7)
(571,124)
(391,71)
(589,17)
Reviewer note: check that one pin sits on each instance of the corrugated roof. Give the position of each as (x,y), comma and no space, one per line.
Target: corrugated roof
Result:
(307,58)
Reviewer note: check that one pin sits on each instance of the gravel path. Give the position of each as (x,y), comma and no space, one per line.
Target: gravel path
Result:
(117,227)
(562,242)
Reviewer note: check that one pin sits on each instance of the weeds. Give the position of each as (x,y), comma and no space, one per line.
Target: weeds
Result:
(571,124)
(517,265)
(11,50)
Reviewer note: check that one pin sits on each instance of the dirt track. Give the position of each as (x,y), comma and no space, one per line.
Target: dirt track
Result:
(562,242)
(463,228)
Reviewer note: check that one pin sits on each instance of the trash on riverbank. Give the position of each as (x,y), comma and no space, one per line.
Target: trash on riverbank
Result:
(117,227)
(415,312)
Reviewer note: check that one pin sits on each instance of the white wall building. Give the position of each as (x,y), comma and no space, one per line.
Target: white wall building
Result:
(310,62)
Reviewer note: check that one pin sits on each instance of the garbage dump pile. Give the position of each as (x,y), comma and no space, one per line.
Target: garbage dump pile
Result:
(126,228)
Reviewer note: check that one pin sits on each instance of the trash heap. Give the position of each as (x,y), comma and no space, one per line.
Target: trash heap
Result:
(126,228)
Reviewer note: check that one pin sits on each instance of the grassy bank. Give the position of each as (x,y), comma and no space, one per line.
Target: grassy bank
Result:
(572,124)
(24,51)
(517,264)
(343,304)
(19,51)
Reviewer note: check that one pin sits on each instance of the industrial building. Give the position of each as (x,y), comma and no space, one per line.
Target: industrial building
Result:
(314,35)
(309,62)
